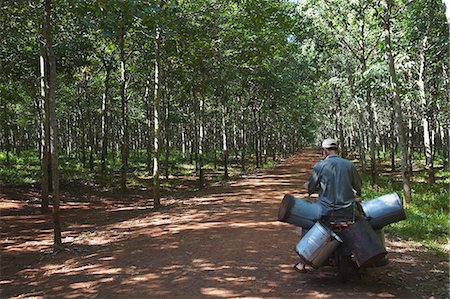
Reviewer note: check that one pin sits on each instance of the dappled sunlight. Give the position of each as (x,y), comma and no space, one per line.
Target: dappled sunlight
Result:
(221,242)
(219,292)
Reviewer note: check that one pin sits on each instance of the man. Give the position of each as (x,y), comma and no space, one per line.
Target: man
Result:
(337,183)
(335,179)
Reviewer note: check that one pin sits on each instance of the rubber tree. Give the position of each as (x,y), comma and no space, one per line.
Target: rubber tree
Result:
(386,20)
(51,117)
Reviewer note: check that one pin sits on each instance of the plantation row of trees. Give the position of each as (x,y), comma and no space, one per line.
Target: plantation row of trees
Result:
(196,77)
(222,80)
(385,87)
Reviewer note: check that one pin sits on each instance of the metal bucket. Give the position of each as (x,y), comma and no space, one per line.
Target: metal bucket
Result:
(299,212)
(364,242)
(317,245)
(383,210)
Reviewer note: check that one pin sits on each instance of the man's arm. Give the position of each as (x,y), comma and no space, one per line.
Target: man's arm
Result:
(313,183)
(356,182)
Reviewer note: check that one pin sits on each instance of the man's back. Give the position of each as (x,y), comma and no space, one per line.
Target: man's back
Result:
(337,182)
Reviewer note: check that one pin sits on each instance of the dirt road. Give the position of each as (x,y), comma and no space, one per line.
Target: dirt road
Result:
(223,242)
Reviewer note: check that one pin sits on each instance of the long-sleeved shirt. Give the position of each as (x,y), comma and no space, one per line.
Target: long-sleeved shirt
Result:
(337,182)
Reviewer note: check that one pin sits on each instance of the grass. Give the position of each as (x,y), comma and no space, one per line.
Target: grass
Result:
(26,169)
(427,219)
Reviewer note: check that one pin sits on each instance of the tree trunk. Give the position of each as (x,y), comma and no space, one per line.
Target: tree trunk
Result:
(148,124)
(200,142)
(157,122)
(104,118)
(256,138)
(81,125)
(90,120)
(45,129)
(224,141)
(57,243)
(397,104)
(393,140)
(371,139)
(446,131)
(339,117)
(447,84)
(243,141)
(167,135)
(362,152)
(425,123)
(124,109)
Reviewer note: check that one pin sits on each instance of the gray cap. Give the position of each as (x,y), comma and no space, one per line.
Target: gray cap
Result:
(329,143)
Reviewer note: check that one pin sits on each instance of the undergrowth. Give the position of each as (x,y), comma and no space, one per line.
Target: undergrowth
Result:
(427,219)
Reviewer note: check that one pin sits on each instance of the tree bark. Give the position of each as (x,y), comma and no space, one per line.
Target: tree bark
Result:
(57,243)
(45,128)
(157,122)
(201,141)
(148,125)
(425,122)
(397,105)
(90,119)
(224,141)
(167,134)
(104,118)
(243,141)
(124,110)
(371,139)
(339,117)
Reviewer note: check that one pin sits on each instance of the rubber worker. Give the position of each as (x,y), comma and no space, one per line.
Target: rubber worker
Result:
(337,183)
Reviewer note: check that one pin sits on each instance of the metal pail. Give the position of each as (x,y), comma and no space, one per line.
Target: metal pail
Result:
(364,243)
(383,210)
(299,212)
(317,245)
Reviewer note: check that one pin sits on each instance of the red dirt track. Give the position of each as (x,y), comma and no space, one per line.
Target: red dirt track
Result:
(222,242)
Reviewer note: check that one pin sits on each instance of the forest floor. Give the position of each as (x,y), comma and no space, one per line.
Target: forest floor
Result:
(221,242)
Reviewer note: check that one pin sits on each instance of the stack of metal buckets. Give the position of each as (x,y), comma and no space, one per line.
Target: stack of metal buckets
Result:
(364,238)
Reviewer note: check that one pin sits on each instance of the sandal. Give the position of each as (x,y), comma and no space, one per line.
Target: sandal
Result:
(300,267)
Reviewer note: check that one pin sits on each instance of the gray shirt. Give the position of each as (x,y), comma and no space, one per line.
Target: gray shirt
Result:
(337,182)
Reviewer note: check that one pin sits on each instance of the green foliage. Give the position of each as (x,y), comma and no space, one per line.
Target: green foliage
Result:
(23,169)
(427,218)
(26,169)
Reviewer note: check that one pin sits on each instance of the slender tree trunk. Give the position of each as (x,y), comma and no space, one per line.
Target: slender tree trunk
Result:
(340,129)
(243,141)
(90,120)
(446,131)
(57,243)
(256,138)
(124,109)
(148,125)
(371,139)
(393,140)
(410,139)
(201,142)
(362,152)
(183,140)
(157,122)
(397,105)
(45,129)
(81,124)
(224,141)
(447,85)
(104,118)
(425,122)
(167,135)
(214,148)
